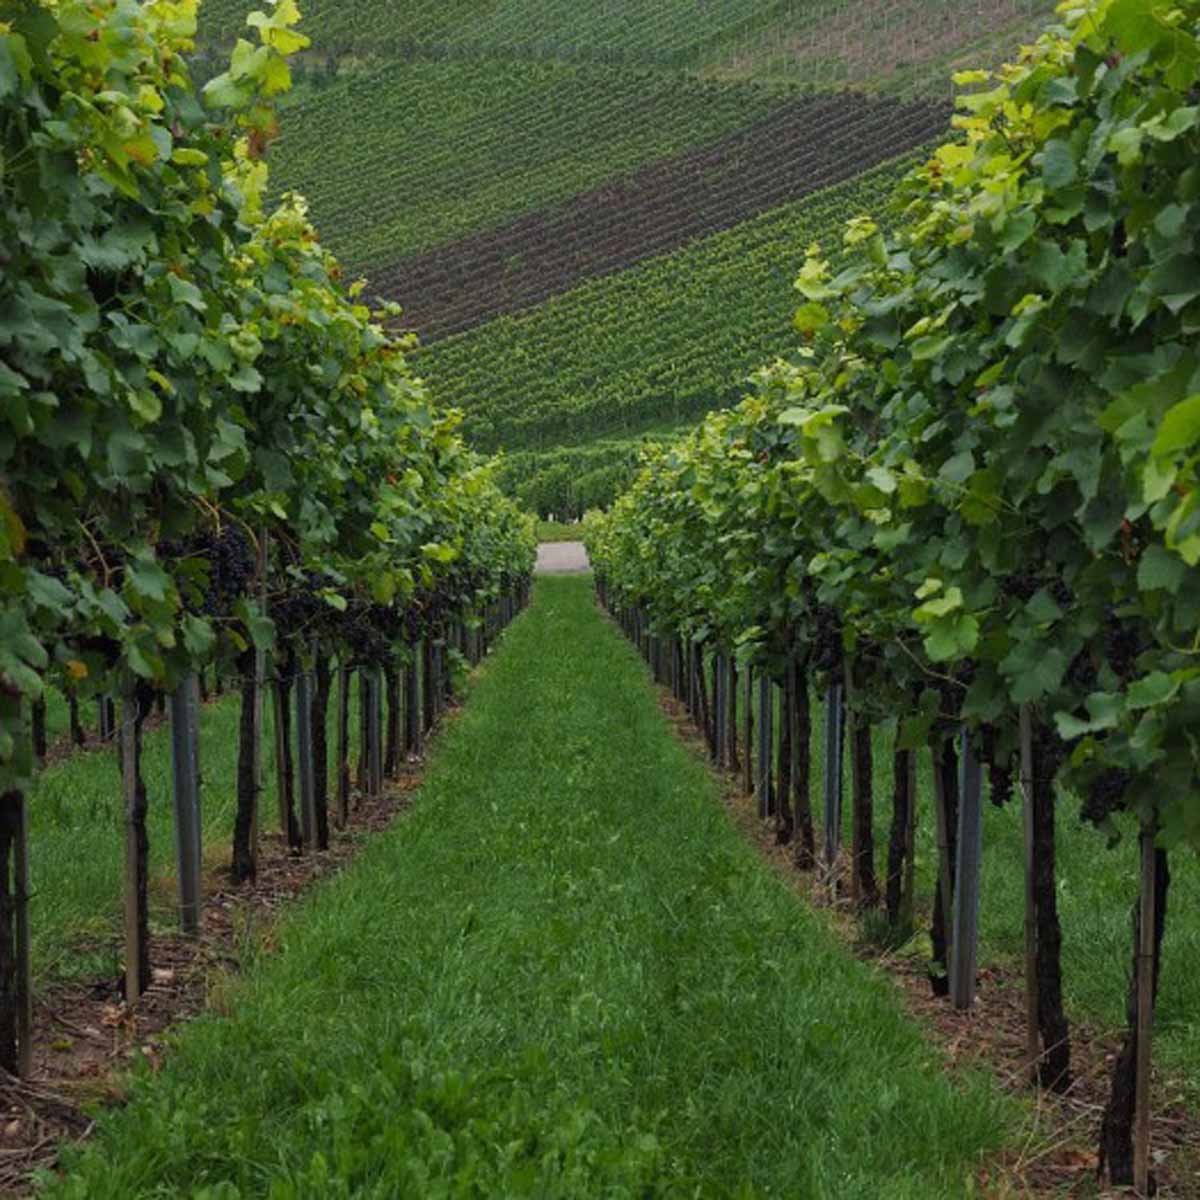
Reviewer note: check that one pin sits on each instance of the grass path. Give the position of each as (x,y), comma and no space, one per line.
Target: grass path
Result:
(562,974)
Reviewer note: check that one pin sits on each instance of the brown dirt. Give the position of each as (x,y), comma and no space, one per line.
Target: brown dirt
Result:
(86,1036)
(1057,1156)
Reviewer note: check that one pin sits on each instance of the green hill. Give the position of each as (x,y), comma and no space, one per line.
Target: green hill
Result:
(592,214)
(416,155)
(892,44)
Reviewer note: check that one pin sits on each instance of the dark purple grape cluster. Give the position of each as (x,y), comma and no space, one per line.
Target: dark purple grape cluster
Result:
(1019,586)
(1105,795)
(1063,596)
(364,640)
(231,563)
(298,608)
(1082,674)
(827,639)
(1122,645)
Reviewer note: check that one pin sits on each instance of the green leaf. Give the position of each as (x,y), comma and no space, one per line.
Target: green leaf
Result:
(148,578)
(1042,609)
(947,603)
(1153,689)
(145,405)
(46,591)
(810,317)
(952,637)
(959,468)
(1160,570)
(1104,712)
(883,479)
(1179,428)
(1033,670)
(198,637)
(1059,168)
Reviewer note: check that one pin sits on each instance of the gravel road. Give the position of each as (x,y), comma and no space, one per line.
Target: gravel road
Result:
(562,558)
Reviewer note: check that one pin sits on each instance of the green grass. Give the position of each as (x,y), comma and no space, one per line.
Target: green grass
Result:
(563,974)
(652,346)
(558,531)
(401,159)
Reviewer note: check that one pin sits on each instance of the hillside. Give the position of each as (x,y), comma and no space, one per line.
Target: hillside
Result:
(406,158)
(891,44)
(652,346)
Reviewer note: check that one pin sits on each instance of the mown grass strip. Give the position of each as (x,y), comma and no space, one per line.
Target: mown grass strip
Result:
(564,973)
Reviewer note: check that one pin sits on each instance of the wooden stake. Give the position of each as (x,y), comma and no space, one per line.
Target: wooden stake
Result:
(185,701)
(129,780)
(766,732)
(1033,1051)
(280,740)
(1145,1013)
(24,971)
(965,939)
(908,893)
(834,740)
(943,836)
(748,729)
(851,729)
(304,758)
(343,744)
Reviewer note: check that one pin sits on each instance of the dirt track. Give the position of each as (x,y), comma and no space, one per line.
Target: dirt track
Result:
(562,558)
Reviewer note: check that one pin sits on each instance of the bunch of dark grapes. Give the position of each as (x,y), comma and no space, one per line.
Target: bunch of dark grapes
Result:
(298,607)
(1122,645)
(388,621)
(1063,596)
(363,638)
(231,567)
(1020,586)
(827,639)
(1082,674)
(1000,768)
(1105,795)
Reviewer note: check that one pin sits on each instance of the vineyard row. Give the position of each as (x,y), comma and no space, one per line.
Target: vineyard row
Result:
(970,499)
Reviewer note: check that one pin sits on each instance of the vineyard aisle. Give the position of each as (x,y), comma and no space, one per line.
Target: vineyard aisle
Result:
(563,973)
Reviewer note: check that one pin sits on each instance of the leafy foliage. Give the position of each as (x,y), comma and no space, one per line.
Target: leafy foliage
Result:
(982,461)
(176,359)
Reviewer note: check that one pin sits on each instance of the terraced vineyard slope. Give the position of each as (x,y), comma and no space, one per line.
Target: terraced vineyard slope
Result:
(651,346)
(498,168)
(907,45)
(802,146)
(408,158)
